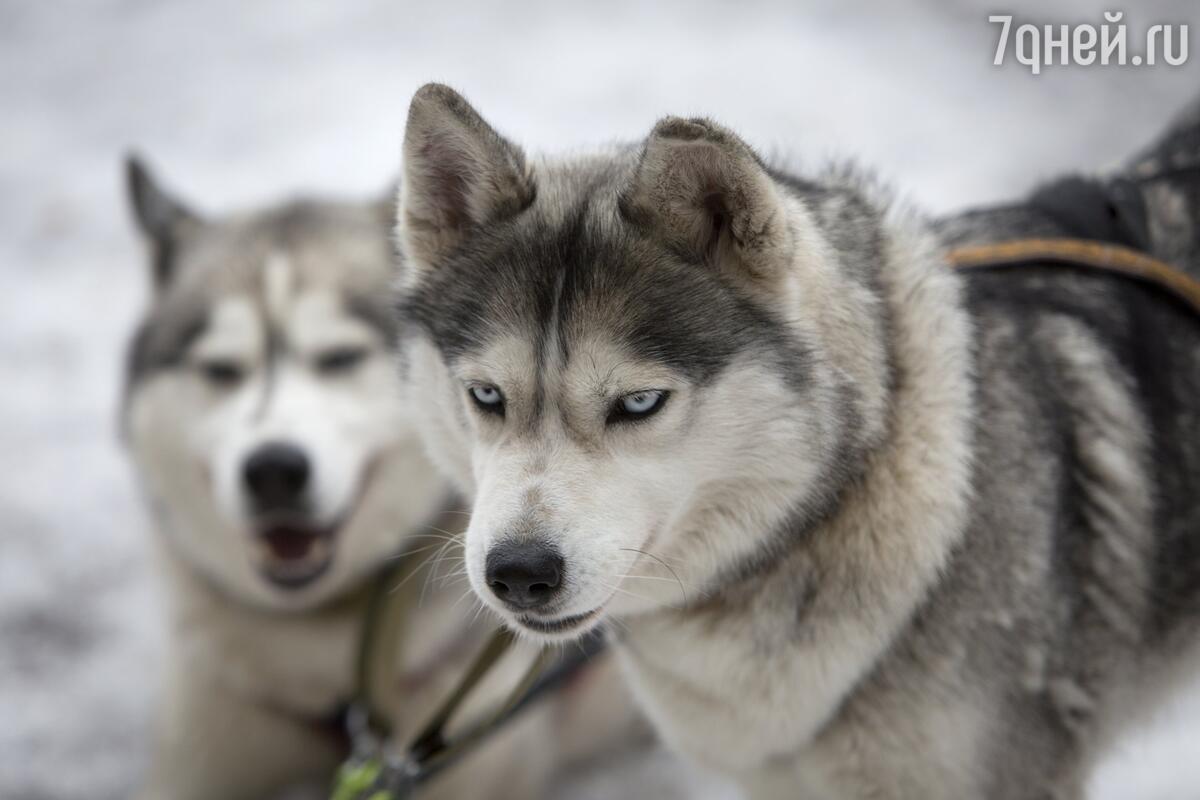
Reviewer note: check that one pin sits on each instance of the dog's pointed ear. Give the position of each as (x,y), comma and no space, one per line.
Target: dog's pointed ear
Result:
(459,174)
(705,193)
(160,217)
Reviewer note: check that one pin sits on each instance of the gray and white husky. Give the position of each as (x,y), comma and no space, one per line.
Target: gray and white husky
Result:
(266,419)
(862,526)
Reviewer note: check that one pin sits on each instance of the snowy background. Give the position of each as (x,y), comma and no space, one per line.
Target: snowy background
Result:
(237,103)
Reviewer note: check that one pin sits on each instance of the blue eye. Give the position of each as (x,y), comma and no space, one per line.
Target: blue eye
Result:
(638,405)
(488,398)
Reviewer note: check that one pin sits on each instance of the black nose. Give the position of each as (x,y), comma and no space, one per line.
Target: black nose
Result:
(524,575)
(276,475)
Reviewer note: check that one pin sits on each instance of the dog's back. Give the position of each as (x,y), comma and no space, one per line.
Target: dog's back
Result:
(1087,426)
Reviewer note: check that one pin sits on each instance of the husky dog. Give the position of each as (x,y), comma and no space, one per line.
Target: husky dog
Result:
(863,526)
(265,417)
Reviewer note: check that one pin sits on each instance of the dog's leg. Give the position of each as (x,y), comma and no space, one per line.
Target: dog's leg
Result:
(214,743)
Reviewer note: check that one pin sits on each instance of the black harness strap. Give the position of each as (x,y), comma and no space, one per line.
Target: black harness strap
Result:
(1113,212)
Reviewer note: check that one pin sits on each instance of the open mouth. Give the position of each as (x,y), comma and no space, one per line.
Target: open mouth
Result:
(293,554)
(572,624)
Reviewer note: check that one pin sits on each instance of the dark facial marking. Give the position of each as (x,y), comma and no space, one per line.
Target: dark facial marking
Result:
(162,342)
(590,275)
(159,343)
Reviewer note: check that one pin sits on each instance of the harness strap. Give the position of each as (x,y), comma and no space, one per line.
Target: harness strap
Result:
(1111,258)
(1112,210)
(541,678)
(380,768)
(431,751)
(379,639)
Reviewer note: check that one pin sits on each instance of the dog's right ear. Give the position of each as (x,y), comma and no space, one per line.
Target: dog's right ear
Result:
(459,174)
(160,217)
(703,191)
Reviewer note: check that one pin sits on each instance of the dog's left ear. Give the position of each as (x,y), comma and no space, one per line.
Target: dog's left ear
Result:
(459,174)
(705,193)
(160,217)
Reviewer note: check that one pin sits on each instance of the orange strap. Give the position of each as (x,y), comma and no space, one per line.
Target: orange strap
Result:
(1100,256)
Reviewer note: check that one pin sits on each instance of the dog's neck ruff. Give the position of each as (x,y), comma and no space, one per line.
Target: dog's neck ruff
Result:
(910,500)
(893,529)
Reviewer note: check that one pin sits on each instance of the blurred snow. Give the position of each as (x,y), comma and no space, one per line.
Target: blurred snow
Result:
(238,102)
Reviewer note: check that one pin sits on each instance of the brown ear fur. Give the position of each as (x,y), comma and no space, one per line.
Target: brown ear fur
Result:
(705,193)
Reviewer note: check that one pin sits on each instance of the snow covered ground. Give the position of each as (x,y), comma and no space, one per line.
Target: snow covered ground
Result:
(239,102)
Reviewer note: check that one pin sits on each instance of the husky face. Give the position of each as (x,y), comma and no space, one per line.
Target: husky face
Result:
(263,406)
(613,356)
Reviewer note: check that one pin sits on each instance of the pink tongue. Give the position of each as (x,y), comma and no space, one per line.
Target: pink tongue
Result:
(289,544)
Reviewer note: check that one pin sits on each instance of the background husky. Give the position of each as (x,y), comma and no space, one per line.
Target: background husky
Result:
(264,413)
(864,527)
